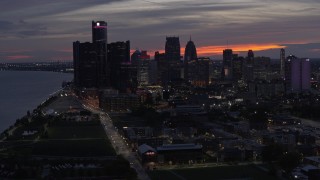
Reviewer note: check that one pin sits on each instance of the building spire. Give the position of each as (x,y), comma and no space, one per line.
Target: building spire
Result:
(190,38)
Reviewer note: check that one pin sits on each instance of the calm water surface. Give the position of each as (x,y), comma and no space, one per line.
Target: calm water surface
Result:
(22,91)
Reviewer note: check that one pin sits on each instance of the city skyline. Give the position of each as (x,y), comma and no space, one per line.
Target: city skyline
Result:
(42,30)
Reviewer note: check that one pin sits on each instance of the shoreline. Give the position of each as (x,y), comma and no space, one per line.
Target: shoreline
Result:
(42,105)
(67,72)
(20,97)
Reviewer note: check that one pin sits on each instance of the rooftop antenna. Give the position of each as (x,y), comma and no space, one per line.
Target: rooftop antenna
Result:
(227,44)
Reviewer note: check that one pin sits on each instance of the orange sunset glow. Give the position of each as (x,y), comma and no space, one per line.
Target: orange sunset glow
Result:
(17,57)
(217,50)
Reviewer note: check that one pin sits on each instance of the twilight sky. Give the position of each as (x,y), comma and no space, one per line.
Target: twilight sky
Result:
(43,30)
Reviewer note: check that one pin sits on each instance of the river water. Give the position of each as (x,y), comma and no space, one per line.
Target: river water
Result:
(21,91)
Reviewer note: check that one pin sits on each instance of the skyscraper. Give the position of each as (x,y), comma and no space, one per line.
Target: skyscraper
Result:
(118,53)
(250,58)
(172,49)
(162,74)
(282,62)
(99,31)
(227,64)
(305,74)
(172,63)
(90,59)
(90,70)
(237,67)
(248,66)
(190,52)
(297,74)
(99,38)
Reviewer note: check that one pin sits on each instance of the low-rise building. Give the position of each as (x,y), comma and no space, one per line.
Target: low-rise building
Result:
(180,153)
(119,102)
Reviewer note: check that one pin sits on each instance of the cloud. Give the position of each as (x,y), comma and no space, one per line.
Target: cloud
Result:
(21,29)
(46,27)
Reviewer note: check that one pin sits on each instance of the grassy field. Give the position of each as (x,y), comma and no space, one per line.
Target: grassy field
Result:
(74,148)
(66,132)
(80,139)
(221,172)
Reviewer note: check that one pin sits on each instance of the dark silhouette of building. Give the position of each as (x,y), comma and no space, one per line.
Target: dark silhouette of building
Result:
(237,67)
(127,81)
(197,71)
(227,64)
(135,57)
(297,74)
(91,68)
(162,74)
(172,49)
(190,52)
(250,58)
(173,57)
(282,62)
(90,65)
(138,56)
(118,53)
(99,31)
(248,67)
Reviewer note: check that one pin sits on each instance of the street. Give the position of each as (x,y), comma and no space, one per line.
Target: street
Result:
(119,144)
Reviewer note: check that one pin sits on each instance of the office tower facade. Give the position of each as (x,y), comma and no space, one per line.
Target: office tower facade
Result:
(143,73)
(282,62)
(99,38)
(127,80)
(297,74)
(172,49)
(237,67)
(248,67)
(173,65)
(89,67)
(118,53)
(305,74)
(227,64)
(99,32)
(190,52)
(141,59)
(197,72)
(162,73)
